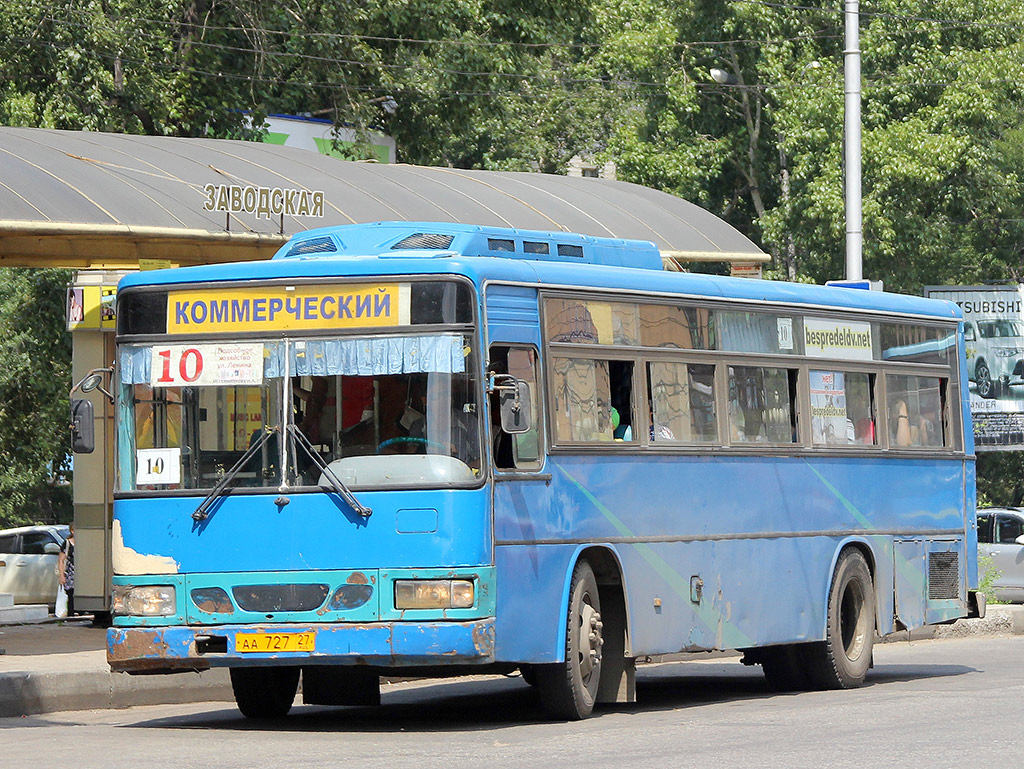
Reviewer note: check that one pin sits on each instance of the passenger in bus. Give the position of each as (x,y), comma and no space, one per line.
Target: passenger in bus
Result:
(320,418)
(620,431)
(900,432)
(315,402)
(928,431)
(919,427)
(864,431)
(462,441)
(660,431)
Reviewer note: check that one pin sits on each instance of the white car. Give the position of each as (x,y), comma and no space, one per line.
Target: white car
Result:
(28,562)
(1001,540)
(995,355)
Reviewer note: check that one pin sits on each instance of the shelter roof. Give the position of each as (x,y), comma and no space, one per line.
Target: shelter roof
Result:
(99,200)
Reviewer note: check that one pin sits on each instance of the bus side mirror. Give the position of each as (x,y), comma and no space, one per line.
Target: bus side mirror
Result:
(516,407)
(83,438)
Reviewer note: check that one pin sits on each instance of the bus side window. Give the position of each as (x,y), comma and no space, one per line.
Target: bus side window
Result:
(915,407)
(522,450)
(762,404)
(682,402)
(592,400)
(620,374)
(842,408)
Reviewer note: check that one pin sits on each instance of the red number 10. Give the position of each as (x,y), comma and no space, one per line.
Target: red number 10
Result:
(190,358)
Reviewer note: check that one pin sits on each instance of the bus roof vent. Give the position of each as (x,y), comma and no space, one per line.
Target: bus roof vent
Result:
(424,240)
(321,245)
(437,239)
(505,245)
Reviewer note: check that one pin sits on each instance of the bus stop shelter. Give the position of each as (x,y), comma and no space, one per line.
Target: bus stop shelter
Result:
(104,204)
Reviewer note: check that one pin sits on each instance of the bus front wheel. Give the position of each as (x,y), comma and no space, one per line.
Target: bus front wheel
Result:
(842,660)
(264,692)
(568,689)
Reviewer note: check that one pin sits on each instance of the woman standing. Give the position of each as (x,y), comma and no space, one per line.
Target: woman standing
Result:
(66,569)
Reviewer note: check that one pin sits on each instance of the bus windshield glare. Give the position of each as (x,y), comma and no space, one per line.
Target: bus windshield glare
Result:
(379,410)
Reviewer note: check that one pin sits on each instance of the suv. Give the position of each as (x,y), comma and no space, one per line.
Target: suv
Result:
(1001,538)
(28,562)
(995,354)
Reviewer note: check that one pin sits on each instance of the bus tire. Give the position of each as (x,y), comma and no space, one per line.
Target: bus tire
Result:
(842,660)
(785,668)
(264,692)
(568,689)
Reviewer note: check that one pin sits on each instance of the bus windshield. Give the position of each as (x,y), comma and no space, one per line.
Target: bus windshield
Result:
(379,411)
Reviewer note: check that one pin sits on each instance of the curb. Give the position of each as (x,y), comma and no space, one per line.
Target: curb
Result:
(1000,619)
(26,693)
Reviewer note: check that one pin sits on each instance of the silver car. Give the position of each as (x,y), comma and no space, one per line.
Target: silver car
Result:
(995,355)
(1001,540)
(28,562)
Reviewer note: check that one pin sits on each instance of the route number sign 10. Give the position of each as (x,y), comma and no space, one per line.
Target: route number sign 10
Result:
(206,365)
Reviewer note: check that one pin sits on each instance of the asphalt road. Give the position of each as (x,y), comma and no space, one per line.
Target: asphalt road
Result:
(946,703)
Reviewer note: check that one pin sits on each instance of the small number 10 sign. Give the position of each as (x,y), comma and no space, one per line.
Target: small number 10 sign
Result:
(158,466)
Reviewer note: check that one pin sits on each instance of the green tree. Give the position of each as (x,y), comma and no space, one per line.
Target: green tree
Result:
(135,66)
(35,377)
(528,84)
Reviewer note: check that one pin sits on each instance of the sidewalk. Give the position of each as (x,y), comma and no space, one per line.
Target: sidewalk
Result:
(49,666)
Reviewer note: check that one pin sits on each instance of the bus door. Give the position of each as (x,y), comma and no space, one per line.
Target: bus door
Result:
(521,489)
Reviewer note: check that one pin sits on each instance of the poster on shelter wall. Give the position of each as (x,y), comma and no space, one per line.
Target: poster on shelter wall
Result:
(994,344)
(91,308)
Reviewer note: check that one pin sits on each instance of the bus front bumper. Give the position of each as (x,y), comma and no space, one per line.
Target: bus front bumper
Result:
(384,644)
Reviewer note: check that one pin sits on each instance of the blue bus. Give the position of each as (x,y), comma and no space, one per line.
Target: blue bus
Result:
(438,449)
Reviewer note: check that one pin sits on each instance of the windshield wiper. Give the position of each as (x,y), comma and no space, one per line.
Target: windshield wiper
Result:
(336,485)
(203,510)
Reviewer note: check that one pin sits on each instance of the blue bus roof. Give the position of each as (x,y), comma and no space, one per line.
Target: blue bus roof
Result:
(525,256)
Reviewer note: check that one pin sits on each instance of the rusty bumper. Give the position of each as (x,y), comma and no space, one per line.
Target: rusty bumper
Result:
(388,644)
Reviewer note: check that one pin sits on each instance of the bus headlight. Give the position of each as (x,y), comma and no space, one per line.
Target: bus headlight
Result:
(434,594)
(143,600)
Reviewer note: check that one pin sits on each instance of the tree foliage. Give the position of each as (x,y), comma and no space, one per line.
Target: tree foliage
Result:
(529,84)
(35,369)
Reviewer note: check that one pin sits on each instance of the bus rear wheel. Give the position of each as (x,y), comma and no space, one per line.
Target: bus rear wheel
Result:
(842,660)
(264,692)
(568,689)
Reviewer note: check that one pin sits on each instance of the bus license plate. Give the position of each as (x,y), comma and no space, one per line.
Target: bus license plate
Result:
(275,642)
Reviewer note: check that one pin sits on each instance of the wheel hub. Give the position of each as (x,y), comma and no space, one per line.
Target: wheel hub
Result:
(591,639)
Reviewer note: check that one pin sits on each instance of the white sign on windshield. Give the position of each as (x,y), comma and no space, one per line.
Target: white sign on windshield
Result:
(158,466)
(206,365)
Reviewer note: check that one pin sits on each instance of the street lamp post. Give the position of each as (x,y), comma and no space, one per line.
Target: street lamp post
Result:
(851,77)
